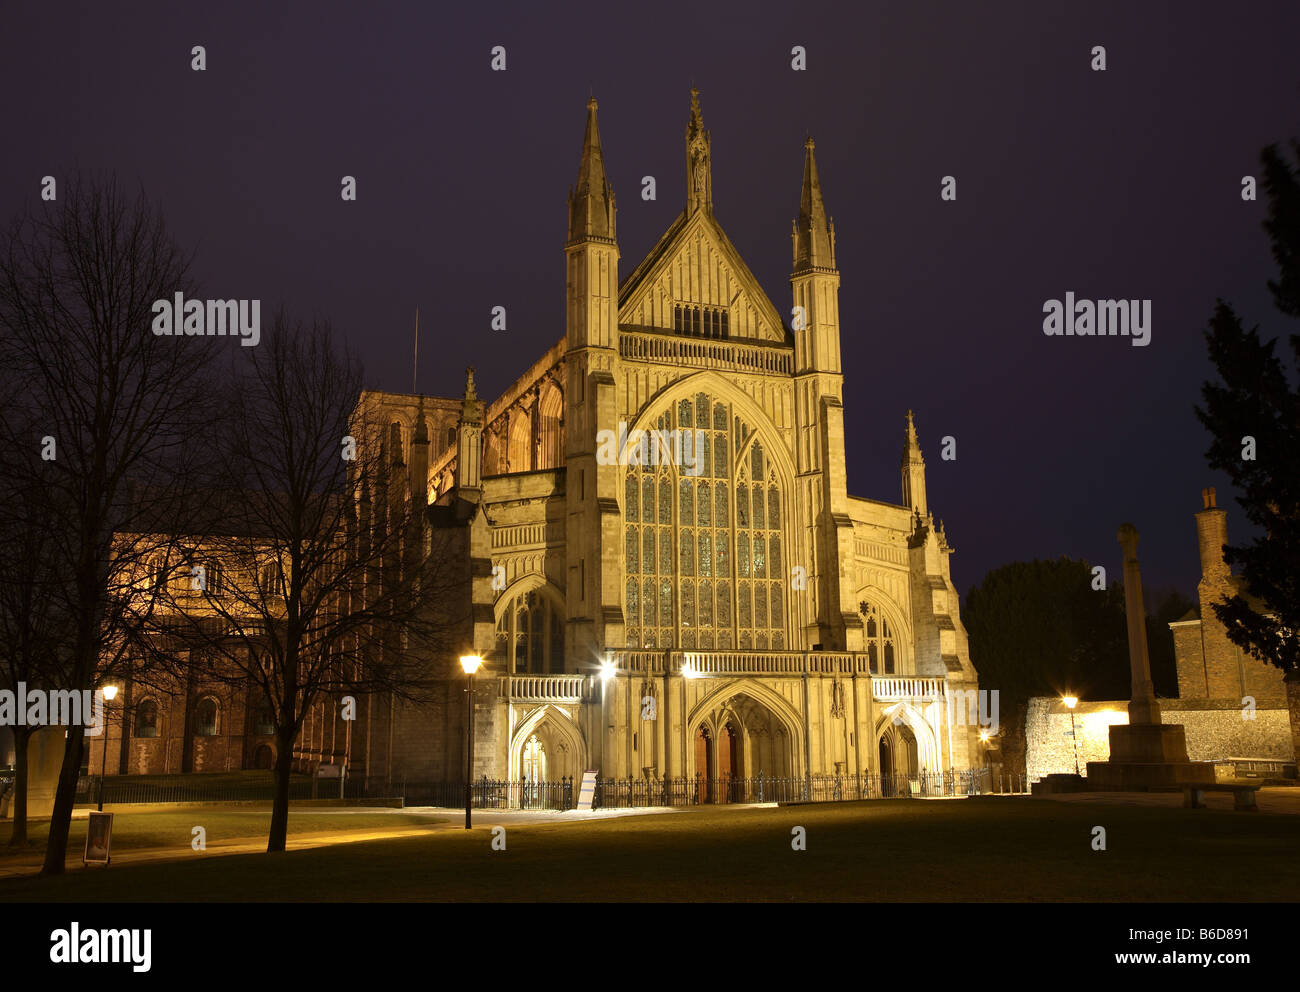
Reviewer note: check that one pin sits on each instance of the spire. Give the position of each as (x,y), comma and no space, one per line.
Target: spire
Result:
(591,202)
(913,470)
(469,406)
(421,426)
(814,233)
(911,444)
(699,160)
(469,441)
(420,458)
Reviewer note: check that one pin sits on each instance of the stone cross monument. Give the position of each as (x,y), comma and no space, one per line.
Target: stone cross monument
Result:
(1144,754)
(1142,708)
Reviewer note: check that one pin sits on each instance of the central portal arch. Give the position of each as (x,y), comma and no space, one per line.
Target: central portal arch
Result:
(741,733)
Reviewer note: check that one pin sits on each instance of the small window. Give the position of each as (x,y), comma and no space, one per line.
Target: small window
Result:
(205,717)
(213,577)
(264,720)
(146,719)
(271,579)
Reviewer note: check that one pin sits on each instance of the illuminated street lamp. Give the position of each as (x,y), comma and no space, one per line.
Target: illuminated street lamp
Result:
(607,669)
(110,693)
(1070,703)
(470,663)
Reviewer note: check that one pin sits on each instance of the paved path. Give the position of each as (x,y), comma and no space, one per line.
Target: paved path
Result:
(18,866)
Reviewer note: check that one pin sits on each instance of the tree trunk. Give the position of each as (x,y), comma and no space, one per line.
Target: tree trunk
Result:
(22,737)
(280,804)
(56,848)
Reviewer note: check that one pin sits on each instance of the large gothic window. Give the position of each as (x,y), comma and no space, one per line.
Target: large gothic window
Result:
(703,548)
(530,635)
(879,641)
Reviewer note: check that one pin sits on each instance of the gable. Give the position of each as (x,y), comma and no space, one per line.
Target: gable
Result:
(695,265)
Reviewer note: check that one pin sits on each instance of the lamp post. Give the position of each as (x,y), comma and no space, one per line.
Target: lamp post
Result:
(110,693)
(470,663)
(1070,702)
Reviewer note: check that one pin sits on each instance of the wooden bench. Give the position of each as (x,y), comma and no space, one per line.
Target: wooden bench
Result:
(1243,796)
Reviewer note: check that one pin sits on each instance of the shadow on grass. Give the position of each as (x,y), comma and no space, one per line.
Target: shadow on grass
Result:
(967,850)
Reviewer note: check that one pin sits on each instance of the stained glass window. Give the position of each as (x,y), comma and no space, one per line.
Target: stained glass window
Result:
(703,548)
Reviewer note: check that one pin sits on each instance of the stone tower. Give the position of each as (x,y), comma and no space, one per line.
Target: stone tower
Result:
(819,413)
(593,587)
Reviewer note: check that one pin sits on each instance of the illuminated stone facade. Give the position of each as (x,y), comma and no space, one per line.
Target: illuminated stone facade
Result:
(728,609)
(722,608)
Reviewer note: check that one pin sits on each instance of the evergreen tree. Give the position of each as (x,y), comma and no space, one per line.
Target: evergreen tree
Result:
(1253,416)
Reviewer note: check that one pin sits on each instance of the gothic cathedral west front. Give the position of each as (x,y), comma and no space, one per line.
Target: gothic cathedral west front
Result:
(710,604)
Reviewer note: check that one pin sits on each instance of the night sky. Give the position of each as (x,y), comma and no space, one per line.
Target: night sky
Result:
(1124,183)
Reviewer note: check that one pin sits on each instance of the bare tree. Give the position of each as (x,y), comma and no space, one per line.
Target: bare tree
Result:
(317,575)
(124,407)
(30,620)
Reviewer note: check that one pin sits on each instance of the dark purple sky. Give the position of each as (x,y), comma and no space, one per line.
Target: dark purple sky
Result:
(1123,183)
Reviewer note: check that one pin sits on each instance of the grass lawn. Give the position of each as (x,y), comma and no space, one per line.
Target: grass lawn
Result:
(174,828)
(981,850)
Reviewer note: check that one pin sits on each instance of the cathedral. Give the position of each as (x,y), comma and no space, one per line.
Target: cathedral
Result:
(737,616)
(730,616)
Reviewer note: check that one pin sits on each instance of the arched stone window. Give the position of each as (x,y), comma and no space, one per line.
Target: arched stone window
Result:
(550,428)
(264,719)
(205,717)
(146,719)
(519,456)
(530,635)
(879,641)
(704,546)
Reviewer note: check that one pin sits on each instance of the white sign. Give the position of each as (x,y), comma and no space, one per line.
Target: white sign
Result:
(587,791)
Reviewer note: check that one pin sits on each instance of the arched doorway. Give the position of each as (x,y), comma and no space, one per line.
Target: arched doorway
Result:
(899,760)
(263,759)
(704,765)
(545,758)
(534,760)
(533,773)
(746,745)
(729,773)
(886,766)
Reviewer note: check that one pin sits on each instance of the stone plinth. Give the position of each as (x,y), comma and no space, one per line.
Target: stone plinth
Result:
(1147,776)
(1146,743)
(1146,756)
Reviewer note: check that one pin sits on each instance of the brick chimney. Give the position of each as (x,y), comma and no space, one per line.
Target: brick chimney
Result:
(1212,535)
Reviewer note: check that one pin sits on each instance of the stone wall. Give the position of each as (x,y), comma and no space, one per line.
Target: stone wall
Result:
(1215,731)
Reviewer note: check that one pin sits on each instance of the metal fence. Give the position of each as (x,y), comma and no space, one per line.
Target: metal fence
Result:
(196,790)
(624,793)
(561,794)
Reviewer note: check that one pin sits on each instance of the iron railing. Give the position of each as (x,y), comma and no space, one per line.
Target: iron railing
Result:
(626,793)
(560,794)
(120,791)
